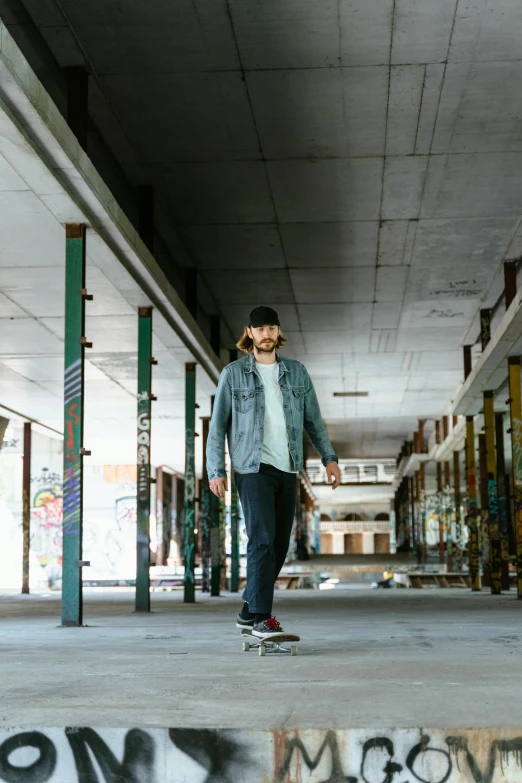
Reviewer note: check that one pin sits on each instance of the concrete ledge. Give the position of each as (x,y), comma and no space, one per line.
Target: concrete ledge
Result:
(227,756)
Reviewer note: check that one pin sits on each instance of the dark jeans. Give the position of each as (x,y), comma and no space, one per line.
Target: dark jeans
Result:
(268,502)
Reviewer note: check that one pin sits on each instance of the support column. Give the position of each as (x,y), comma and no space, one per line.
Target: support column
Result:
(422,488)
(467,360)
(485,327)
(26,506)
(502,501)
(73,451)
(214,539)
(439,497)
(234,538)
(510,281)
(204,507)
(458,500)
(493,523)
(484,514)
(142,596)
(516,451)
(189,554)
(471,481)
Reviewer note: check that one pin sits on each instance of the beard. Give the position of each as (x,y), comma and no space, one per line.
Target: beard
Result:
(262,347)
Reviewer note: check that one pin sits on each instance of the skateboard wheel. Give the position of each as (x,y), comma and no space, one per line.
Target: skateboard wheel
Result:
(262,649)
(246,646)
(295,651)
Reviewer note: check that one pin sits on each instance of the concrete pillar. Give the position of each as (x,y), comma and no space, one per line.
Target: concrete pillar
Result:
(368,543)
(485,326)
(204,508)
(467,360)
(510,281)
(337,543)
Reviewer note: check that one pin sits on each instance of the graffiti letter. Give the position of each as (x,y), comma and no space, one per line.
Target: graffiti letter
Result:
(504,747)
(138,757)
(422,747)
(390,768)
(40,770)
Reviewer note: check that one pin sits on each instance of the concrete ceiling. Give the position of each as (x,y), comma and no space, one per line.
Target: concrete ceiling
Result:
(356,164)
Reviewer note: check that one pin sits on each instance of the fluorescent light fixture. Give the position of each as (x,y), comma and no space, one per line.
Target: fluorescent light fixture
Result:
(351,394)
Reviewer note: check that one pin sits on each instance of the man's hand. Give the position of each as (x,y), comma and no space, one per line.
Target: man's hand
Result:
(333,473)
(219,486)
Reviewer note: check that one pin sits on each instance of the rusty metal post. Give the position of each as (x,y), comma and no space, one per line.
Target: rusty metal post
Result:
(515,406)
(26,506)
(493,522)
(471,521)
(510,281)
(458,501)
(485,327)
(502,501)
(467,360)
(421,436)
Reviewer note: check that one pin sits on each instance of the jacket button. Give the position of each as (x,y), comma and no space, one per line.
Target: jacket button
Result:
(286,406)
(289,427)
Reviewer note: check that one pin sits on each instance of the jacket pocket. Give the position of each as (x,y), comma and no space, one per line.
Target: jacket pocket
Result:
(298,395)
(243,400)
(236,444)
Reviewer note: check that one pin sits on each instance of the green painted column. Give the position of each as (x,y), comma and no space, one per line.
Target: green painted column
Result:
(189,553)
(215,543)
(204,513)
(145,360)
(234,539)
(75,344)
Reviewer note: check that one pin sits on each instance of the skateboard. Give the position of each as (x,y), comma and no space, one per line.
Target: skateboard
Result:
(270,645)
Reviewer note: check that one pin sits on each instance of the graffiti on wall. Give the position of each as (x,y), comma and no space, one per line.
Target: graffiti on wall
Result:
(277,756)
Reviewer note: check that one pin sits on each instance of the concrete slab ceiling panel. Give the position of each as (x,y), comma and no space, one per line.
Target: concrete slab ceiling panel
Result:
(386,315)
(330,244)
(336,342)
(396,241)
(365,27)
(404,104)
(441,314)
(486,31)
(234,246)
(219,192)
(391,283)
(275,286)
(422,31)
(404,182)
(208,114)
(345,317)
(354,284)
(294,34)
(326,190)
(323,112)
(462,241)
(462,186)
(428,339)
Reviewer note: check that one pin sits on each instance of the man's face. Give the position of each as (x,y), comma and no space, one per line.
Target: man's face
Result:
(264,337)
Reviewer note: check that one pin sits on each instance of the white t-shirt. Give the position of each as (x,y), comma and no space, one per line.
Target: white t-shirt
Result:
(275,439)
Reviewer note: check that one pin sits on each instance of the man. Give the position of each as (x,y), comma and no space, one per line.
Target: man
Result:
(263,403)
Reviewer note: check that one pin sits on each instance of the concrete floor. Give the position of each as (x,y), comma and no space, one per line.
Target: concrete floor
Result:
(367,658)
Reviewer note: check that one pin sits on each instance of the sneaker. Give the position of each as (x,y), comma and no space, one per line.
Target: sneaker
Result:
(270,627)
(241,623)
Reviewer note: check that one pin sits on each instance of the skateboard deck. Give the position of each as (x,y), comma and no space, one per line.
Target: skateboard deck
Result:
(270,645)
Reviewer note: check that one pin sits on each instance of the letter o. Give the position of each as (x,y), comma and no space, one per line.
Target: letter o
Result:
(40,770)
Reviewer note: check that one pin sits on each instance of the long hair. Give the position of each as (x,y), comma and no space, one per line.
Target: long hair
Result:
(246,344)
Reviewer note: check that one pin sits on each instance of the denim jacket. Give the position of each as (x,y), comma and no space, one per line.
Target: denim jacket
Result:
(239,413)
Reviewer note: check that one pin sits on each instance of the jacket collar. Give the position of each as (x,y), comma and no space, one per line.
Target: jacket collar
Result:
(251,363)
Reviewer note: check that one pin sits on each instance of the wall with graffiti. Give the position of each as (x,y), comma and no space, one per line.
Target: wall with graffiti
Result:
(277,756)
(109,527)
